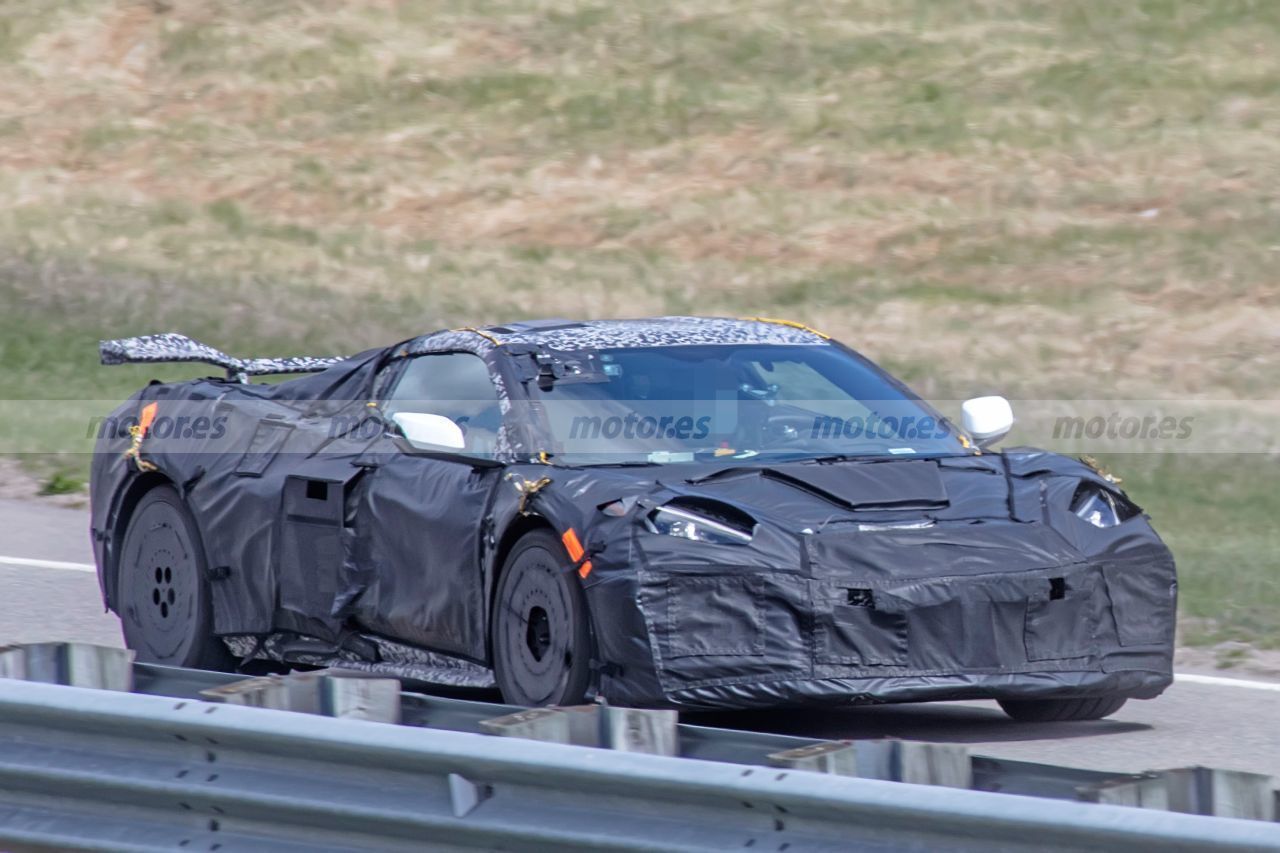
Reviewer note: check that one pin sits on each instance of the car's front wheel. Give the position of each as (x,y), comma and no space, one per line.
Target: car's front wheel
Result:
(1061,710)
(164,601)
(541,638)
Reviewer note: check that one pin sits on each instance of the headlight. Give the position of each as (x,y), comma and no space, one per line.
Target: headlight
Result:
(1101,507)
(683,524)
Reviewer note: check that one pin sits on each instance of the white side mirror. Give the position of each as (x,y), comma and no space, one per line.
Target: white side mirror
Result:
(428,431)
(987,419)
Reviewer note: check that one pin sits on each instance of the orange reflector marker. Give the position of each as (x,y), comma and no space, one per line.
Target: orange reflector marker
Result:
(147,417)
(576,551)
(136,432)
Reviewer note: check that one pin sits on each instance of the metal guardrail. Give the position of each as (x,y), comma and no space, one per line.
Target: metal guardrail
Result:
(465,715)
(93,769)
(1200,791)
(726,745)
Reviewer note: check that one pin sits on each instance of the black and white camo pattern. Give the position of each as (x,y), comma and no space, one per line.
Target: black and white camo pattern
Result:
(663,332)
(599,334)
(173,347)
(623,334)
(451,340)
(397,660)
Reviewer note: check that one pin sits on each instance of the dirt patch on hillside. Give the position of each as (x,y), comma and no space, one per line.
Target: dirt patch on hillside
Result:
(18,483)
(1231,660)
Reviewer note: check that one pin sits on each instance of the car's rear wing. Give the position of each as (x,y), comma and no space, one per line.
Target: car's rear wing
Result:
(170,346)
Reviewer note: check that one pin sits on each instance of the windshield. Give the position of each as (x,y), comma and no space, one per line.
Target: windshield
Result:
(735,404)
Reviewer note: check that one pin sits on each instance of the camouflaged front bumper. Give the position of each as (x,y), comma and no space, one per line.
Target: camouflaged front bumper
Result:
(839,629)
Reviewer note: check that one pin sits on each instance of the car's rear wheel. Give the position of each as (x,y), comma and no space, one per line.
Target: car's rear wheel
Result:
(541,637)
(1061,710)
(164,605)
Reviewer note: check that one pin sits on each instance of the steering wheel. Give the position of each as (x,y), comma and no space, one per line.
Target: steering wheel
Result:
(784,428)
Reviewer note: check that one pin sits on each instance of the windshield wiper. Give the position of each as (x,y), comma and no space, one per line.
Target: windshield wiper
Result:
(630,463)
(878,457)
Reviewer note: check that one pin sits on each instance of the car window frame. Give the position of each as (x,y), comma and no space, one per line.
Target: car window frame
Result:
(391,383)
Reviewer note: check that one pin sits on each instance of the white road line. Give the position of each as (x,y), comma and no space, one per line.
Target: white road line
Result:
(1219,681)
(28,562)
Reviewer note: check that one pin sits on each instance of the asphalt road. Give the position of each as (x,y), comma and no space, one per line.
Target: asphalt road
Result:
(48,591)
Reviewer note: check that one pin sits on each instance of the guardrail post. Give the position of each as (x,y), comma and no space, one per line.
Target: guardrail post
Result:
(1221,793)
(357,697)
(623,729)
(585,726)
(329,693)
(267,691)
(917,762)
(13,662)
(838,757)
(1148,791)
(1193,790)
(544,724)
(635,730)
(71,664)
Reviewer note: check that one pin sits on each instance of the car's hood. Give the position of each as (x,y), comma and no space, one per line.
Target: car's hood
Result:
(905,518)
(821,496)
(953,515)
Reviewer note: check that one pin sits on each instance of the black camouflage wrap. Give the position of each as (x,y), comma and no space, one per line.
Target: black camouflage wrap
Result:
(878,580)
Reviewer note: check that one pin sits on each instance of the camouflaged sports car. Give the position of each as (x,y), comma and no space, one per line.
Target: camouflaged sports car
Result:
(682,512)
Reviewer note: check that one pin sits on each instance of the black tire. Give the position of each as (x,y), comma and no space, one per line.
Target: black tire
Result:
(164,601)
(1061,710)
(540,631)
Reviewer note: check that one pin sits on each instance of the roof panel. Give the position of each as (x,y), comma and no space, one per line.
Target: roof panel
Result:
(653,332)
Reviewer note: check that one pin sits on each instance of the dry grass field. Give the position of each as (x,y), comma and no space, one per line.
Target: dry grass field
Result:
(1042,198)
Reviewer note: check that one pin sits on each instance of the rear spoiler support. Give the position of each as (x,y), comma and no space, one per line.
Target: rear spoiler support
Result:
(173,347)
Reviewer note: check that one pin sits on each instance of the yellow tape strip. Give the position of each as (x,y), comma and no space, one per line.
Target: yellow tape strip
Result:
(488,337)
(792,323)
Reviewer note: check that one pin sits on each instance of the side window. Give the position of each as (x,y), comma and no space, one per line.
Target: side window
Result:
(456,385)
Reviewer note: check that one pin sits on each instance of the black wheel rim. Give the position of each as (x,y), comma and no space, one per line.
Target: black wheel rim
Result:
(160,590)
(537,631)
